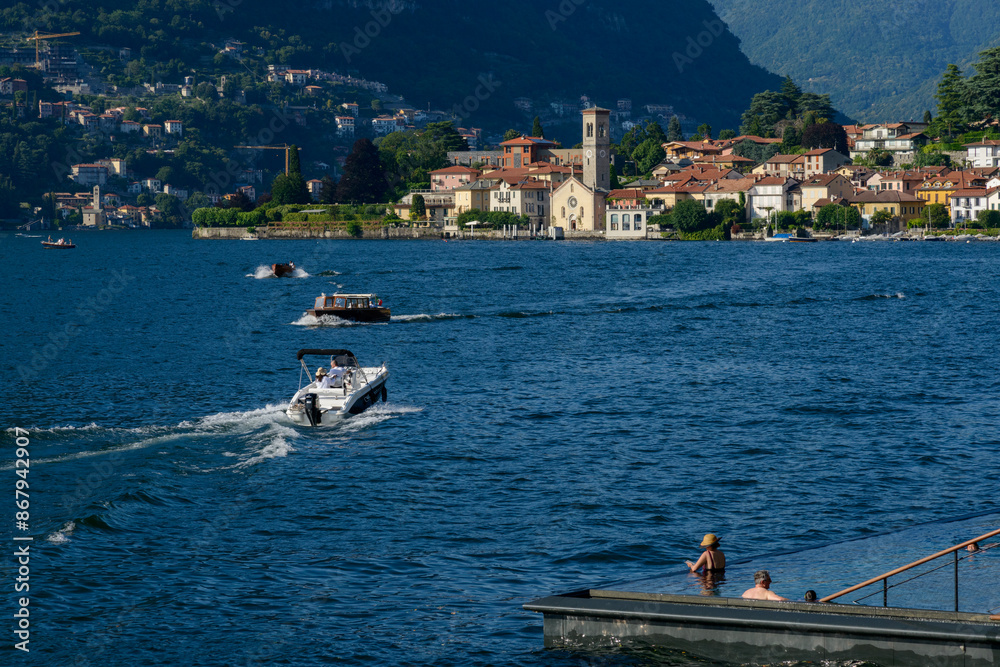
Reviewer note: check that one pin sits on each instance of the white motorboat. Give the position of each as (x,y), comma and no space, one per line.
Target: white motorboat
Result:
(345,389)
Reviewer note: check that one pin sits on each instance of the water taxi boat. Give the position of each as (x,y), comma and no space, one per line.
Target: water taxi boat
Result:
(341,389)
(280,270)
(353,307)
(61,243)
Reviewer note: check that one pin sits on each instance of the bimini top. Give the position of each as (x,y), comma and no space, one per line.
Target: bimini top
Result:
(325,353)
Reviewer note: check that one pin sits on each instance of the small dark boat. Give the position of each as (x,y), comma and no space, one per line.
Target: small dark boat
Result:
(283,269)
(61,243)
(353,307)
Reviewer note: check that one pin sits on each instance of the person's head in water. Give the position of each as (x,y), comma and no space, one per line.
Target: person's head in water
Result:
(810,596)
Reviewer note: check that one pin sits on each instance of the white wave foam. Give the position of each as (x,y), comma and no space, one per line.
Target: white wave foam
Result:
(308,320)
(299,273)
(278,447)
(261,272)
(270,413)
(92,426)
(424,317)
(61,536)
(378,414)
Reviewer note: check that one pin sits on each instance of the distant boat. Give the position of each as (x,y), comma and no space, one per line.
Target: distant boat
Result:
(65,244)
(283,269)
(353,307)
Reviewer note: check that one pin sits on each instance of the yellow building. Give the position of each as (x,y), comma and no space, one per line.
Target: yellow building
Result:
(900,204)
(938,190)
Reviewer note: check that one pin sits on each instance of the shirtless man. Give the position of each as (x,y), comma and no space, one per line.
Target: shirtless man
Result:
(762,589)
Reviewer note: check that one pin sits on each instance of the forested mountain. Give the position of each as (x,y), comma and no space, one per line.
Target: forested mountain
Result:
(437,52)
(879,59)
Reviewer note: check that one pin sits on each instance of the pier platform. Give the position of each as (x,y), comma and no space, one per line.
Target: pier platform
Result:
(737,630)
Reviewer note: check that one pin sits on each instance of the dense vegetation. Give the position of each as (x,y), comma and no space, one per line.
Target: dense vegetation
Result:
(877,59)
(603,48)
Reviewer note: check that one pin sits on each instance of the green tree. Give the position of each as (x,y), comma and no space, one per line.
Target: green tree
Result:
(511,134)
(165,174)
(196,201)
(825,135)
(790,139)
(328,191)
(536,128)
(820,106)
(877,157)
(171,212)
(615,183)
(705,131)
(674,131)
(989,219)
(835,216)
(690,215)
(951,99)
(791,93)
(727,134)
(648,154)
(729,212)
(294,166)
(937,216)
(759,153)
(363,180)
(418,210)
(881,217)
(654,131)
(766,109)
(144,199)
(927,117)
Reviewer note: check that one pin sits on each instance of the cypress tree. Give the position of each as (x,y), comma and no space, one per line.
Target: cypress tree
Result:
(536,128)
(363,180)
(674,132)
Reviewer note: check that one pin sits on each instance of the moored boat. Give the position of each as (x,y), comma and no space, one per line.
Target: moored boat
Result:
(345,389)
(353,307)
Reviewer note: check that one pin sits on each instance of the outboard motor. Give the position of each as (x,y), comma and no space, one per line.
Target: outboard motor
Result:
(311,405)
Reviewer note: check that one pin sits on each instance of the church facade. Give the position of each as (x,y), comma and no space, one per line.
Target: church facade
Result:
(578,204)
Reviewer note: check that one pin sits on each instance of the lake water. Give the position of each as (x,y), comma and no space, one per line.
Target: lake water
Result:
(560,416)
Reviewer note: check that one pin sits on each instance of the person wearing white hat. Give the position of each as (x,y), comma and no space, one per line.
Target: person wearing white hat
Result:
(323,380)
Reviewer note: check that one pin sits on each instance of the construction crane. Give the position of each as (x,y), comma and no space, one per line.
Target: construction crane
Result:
(283,147)
(38,37)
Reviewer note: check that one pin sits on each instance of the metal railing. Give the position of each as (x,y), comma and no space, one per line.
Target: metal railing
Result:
(884,578)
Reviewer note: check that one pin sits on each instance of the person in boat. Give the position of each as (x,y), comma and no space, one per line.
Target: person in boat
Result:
(712,560)
(323,380)
(762,588)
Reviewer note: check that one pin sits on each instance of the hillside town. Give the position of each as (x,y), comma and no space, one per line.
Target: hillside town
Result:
(872,183)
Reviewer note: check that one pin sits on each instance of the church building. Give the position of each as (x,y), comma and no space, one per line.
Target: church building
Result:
(578,204)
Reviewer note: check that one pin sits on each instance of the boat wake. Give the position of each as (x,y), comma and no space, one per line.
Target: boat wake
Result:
(327,274)
(424,317)
(261,272)
(378,413)
(308,320)
(874,297)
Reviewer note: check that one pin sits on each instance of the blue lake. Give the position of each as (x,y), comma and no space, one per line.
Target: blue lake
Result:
(560,416)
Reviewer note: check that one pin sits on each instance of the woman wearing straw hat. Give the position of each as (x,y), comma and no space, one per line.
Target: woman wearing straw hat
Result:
(713,560)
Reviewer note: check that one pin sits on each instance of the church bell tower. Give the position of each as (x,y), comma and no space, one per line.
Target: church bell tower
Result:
(597,148)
